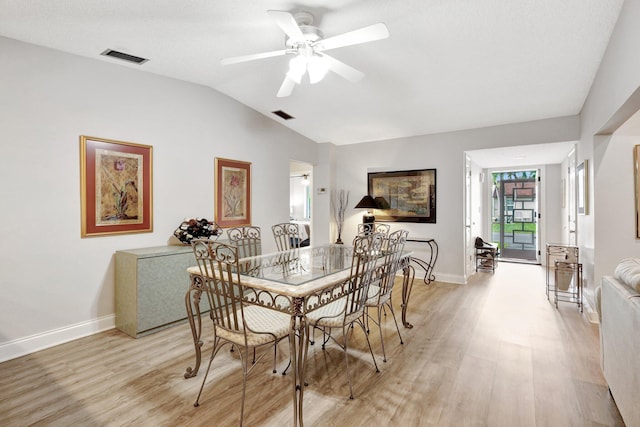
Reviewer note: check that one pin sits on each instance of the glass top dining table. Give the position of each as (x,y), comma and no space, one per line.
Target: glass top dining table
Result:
(294,281)
(298,267)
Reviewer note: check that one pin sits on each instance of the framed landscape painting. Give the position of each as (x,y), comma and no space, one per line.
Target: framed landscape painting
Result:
(233,193)
(115,187)
(408,196)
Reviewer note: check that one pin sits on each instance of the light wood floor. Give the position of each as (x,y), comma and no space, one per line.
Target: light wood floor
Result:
(492,353)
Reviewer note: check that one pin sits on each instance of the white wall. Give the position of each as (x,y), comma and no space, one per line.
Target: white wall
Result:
(615,204)
(444,152)
(552,215)
(57,286)
(323,183)
(608,233)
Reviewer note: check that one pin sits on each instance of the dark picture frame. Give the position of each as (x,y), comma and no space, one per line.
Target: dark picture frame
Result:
(404,196)
(233,193)
(115,187)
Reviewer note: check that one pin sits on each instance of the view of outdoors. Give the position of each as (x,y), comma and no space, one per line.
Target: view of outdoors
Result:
(514,214)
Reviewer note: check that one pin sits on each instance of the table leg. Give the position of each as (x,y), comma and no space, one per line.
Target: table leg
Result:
(192,299)
(408,274)
(428,265)
(298,349)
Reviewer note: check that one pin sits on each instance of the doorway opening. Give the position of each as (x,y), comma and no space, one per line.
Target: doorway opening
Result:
(514,224)
(300,198)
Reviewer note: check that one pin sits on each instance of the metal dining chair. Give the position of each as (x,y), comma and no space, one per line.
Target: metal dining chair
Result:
(348,310)
(287,236)
(249,243)
(242,325)
(382,280)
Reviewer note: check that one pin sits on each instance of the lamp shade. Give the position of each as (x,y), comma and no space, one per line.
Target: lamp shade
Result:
(367,202)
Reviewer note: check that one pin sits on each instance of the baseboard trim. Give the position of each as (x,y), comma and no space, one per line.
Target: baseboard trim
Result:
(31,344)
(440,277)
(590,312)
(448,278)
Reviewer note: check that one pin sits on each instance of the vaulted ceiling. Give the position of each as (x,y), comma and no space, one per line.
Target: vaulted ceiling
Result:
(447,64)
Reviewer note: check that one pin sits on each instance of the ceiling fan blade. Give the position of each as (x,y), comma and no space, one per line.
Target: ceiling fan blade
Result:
(363,35)
(286,88)
(342,69)
(245,58)
(288,24)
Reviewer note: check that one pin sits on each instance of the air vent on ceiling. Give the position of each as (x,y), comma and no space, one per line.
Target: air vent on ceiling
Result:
(282,115)
(124,56)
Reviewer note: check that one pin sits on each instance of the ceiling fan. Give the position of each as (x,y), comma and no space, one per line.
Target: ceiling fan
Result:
(307,45)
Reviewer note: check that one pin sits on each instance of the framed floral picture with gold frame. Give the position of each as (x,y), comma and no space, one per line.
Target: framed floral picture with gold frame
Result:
(233,193)
(115,187)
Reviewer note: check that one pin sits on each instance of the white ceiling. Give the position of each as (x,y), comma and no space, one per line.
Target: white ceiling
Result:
(447,65)
(523,155)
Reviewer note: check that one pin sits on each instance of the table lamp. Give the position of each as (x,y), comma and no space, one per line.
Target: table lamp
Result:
(368,203)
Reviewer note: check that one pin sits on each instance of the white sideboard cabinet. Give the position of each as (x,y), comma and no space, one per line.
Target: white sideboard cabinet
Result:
(151,284)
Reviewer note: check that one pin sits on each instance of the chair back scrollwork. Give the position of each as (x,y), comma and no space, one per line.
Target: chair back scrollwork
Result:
(366,252)
(218,265)
(247,239)
(287,236)
(375,227)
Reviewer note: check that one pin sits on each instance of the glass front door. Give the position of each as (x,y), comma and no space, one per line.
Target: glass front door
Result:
(514,225)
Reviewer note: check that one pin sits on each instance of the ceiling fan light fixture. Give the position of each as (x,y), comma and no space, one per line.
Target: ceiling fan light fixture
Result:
(307,43)
(297,68)
(317,67)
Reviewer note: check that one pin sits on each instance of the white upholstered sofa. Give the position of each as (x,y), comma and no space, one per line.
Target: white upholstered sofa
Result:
(620,337)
